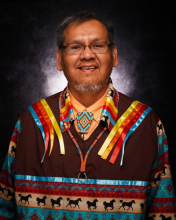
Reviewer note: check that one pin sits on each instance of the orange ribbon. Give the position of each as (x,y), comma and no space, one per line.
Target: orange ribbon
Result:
(49,123)
(125,131)
(45,127)
(120,130)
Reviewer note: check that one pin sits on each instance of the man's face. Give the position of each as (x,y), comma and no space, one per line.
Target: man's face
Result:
(74,65)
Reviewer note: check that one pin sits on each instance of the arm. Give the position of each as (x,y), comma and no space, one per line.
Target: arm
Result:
(161,198)
(7,191)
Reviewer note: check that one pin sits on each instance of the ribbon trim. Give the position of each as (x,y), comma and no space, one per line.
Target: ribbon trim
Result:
(45,128)
(120,130)
(55,125)
(116,127)
(46,122)
(125,131)
(49,123)
(132,129)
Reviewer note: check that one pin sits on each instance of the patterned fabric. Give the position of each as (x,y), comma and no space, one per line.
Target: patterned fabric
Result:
(66,198)
(95,199)
(7,195)
(108,115)
(161,201)
(110,108)
(84,120)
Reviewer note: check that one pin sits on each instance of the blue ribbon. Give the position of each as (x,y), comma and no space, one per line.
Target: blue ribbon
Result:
(37,120)
(109,116)
(132,129)
(76,180)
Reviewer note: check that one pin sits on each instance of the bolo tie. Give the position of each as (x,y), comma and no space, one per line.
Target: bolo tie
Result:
(84,119)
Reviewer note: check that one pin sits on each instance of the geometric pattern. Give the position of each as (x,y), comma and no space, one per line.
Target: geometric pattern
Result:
(96,218)
(64,217)
(84,120)
(16,132)
(161,195)
(168,188)
(49,217)
(79,217)
(21,216)
(34,216)
(62,188)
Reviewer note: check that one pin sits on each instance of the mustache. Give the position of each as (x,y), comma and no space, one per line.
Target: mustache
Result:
(85,63)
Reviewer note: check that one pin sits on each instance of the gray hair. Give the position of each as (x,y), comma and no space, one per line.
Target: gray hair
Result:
(82,17)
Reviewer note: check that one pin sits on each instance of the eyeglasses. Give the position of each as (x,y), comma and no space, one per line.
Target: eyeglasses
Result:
(78,48)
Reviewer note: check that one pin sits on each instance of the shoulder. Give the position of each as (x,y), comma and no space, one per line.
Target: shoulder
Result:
(53,102)
(124,103)
(146,133)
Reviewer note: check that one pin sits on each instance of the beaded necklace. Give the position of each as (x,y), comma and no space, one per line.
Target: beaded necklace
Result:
(83,160)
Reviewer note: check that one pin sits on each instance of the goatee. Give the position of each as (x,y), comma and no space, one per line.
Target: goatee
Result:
(90,87)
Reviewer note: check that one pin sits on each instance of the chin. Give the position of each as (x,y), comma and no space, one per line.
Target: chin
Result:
(90,87)
(87,87)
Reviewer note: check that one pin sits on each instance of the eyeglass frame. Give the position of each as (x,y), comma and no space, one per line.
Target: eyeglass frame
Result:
(65,47)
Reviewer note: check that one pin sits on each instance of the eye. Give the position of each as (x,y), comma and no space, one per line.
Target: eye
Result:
(98,45)
(75,47)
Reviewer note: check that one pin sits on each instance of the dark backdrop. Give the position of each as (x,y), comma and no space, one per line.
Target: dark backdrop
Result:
(145,38)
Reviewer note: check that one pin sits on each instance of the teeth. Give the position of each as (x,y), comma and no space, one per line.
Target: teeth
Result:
(88,67)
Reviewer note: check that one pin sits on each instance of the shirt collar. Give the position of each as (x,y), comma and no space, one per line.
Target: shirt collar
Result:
(109,113)
(96,108)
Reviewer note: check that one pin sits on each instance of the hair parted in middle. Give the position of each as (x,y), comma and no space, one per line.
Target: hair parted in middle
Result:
(82,17)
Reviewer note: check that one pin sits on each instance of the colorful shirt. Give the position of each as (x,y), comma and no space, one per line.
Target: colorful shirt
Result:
(141,187)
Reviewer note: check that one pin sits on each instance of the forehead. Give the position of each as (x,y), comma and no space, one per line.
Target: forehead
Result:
(87,31)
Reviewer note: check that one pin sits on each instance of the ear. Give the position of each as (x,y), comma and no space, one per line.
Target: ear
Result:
(115,57)
(59,60)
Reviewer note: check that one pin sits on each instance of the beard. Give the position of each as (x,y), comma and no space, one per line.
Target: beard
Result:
(85,87)
(89,87)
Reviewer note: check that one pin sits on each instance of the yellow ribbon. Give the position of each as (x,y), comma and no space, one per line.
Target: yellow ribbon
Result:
(64,109)
(49,123)
(109,102)
(120,130)
(116,127)
(55,125)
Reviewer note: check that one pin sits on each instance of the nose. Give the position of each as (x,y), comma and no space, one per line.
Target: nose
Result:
(87,54)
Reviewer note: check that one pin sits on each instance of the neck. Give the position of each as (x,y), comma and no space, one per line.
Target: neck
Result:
(88,98)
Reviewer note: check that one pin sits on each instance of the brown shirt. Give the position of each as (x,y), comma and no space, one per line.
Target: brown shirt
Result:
(141,187)
(140,151)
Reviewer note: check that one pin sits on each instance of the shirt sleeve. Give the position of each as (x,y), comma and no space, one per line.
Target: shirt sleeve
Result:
(7,190)
(161,198)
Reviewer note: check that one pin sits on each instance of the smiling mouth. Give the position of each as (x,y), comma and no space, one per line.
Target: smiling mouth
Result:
(87,67)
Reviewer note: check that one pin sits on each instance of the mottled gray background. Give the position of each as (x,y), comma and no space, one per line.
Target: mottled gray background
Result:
(146,42)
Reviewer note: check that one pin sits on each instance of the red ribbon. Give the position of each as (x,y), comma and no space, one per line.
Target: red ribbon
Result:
(49,123)
(124,133)
(44,124)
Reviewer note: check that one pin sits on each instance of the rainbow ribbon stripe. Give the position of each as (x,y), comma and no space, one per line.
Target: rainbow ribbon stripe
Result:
(110,110)
(66,110)
(47,123)
(121,131)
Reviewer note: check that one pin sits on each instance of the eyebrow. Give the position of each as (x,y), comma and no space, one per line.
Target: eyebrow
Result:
(98,39)
(78,42)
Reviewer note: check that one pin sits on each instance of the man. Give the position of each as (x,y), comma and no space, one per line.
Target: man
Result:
(87,152)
